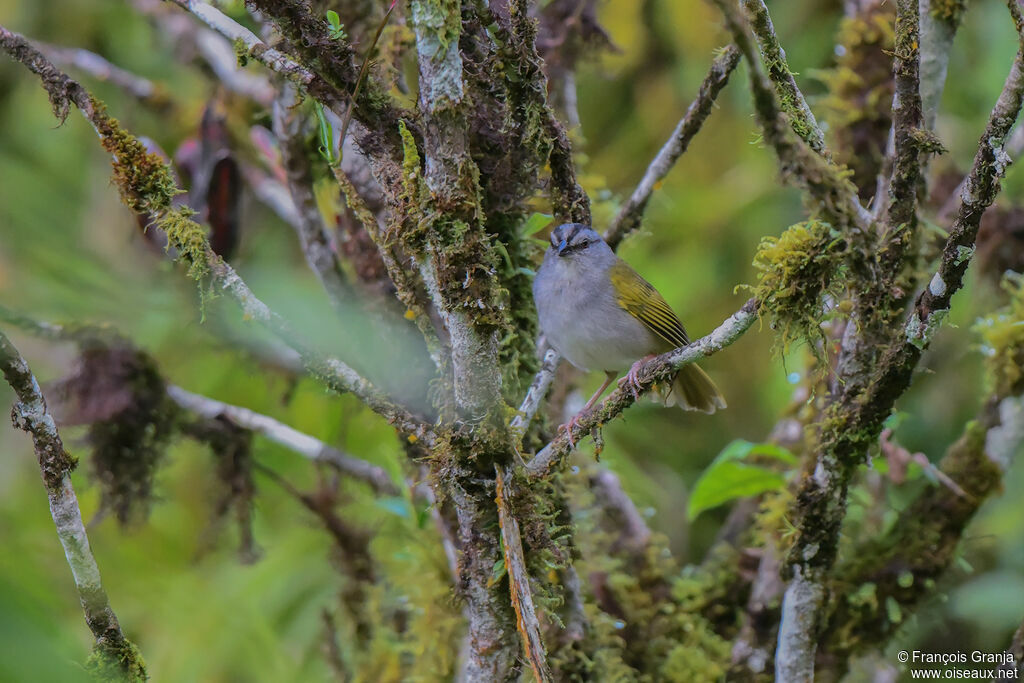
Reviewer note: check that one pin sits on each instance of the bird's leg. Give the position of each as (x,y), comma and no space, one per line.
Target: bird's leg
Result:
(632,379)
(574,420)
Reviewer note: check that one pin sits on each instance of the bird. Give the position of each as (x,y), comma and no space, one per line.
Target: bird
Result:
(600,314)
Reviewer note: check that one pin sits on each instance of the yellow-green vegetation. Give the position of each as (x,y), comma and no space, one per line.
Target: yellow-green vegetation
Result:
(950,11)
(795,272)
(860,91)
(1002,334)
(116,663)
(143,178)
(189,238)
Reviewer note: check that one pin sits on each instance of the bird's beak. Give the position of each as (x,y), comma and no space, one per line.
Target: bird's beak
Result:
(561,247)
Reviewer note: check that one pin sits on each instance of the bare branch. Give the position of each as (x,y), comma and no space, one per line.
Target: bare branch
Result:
(272,194)
(655,370)
(628,218)
(97,66)
(793,102)
(215,49)
(55,464)
(617,503)
(519,583)
(292,439)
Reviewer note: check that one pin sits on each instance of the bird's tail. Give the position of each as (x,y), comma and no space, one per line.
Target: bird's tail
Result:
(692,389)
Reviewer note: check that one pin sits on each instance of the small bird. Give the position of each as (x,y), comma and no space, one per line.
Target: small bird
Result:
(598,313)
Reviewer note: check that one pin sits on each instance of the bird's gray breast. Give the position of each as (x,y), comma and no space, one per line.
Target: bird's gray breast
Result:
(578,313)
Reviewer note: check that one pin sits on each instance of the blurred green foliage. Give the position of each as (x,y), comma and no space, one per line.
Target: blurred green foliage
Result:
(70,251)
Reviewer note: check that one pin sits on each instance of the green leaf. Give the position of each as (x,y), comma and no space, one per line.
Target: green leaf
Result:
(728,477)
(325,131)
(740,449)
(333,19)
(770,450)
(535,223)
(497,572)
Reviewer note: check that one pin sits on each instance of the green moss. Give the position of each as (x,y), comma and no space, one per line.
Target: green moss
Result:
(927,141)
(1002,335)
(950,11)
(241,52)
(189,238)
(143,178)
(795,272)
(413,188)
(119,661)
(860,91)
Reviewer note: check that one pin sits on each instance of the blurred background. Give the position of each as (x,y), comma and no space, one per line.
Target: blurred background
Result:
(69,251)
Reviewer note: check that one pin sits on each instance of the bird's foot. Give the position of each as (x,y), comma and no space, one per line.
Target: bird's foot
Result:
(632,378)
(571,425)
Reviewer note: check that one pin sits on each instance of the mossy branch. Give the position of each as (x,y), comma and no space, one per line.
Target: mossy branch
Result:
(569,200)
(114,656)
(901,218)
(305,445)
(793,102)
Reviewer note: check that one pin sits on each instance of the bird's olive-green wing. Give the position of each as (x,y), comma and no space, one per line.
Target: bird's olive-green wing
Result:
(637,296)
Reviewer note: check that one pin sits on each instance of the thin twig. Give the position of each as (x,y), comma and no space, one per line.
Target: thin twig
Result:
(97,66)
(628,218)
(536,393)
(270,57)
(519,582)
(361,78)
(774,57)
(313,235)
(655,370)
(292,439)
(55,464)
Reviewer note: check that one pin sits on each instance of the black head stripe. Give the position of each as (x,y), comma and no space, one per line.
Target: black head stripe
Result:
(572,233)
